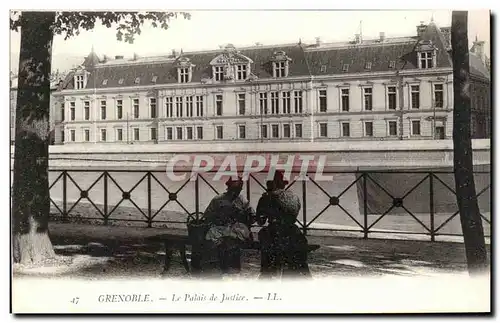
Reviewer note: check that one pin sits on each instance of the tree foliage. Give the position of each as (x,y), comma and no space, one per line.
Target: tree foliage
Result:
(128,24)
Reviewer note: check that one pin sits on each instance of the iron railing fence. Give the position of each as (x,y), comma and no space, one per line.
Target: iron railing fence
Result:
(362,219)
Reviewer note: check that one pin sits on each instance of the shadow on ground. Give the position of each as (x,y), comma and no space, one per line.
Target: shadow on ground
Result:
(90,255)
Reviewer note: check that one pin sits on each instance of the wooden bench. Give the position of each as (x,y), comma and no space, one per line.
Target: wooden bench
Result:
(176,242)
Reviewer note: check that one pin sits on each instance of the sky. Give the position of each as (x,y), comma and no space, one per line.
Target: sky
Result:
(209,29)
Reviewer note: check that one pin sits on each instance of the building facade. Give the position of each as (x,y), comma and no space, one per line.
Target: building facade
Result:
(382,89)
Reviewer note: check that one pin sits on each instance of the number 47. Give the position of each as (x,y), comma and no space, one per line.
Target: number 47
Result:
(75,300)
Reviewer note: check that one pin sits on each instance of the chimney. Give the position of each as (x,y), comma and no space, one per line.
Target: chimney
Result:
(174,53)
(421,29)
(382,36)
(258,44)
(119,57)
(357,38)
(478,46)
(318,41)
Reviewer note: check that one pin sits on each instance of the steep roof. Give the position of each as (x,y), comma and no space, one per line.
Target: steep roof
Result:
(323,59)
(477,67)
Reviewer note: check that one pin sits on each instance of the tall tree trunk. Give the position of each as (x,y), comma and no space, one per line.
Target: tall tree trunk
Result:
(30,199)
(470,218)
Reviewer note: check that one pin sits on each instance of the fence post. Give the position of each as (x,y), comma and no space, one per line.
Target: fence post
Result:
(65,197)
(365,207)
(431,204)
(304,206)
(105,197)
(197,195)
(150,220)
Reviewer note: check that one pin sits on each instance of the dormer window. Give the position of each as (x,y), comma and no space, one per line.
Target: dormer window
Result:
(184,69)
(80,80)
(154,78)
(241,72)
(426,60)
(368,65)
(280,62)
(345,67)
(184,75)
(230,65)
(280,69)
(323,68)
(426,52)
(392,64)
(137,80)
(120,81)
(105,82)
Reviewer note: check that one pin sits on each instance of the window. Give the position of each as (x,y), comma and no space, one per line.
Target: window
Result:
(62,135)
(275,131)
(241,104)
(426,60)
(323,129)
(369,129)
(219,73)
(136,134)
(415,127)
(286,103)
(345,99)
(152,108)
(86,135)
(72,135)
(415,96)
(241,132)
(72,110)
(280,69)
(346,129)
(218,105)
(298,101)
(263,103)
(345,67)
(179,133)
(154,78)
(184,75)
(103,134)
(323,68)
(178,106)
(153,134)
(393,128)
(391,98)
(120,81)
(286,131)
(392,64)
(105,82)
(119,134)
(103,110)
(298,130)
(219,132)
(86,110)
(189,106)
(137,80)
(119,109)
(322,100)
(79,83)
(438,96)
(189,133)
(368,98)
(241,72)
(169,104)
(199,105)
(275,103)
(62,113)
(199,132)
(368,65)
(169,133)
(263,131)
(136,108)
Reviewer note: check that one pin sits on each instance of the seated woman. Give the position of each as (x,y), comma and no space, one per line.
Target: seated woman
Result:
(281,238)
(229,216)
